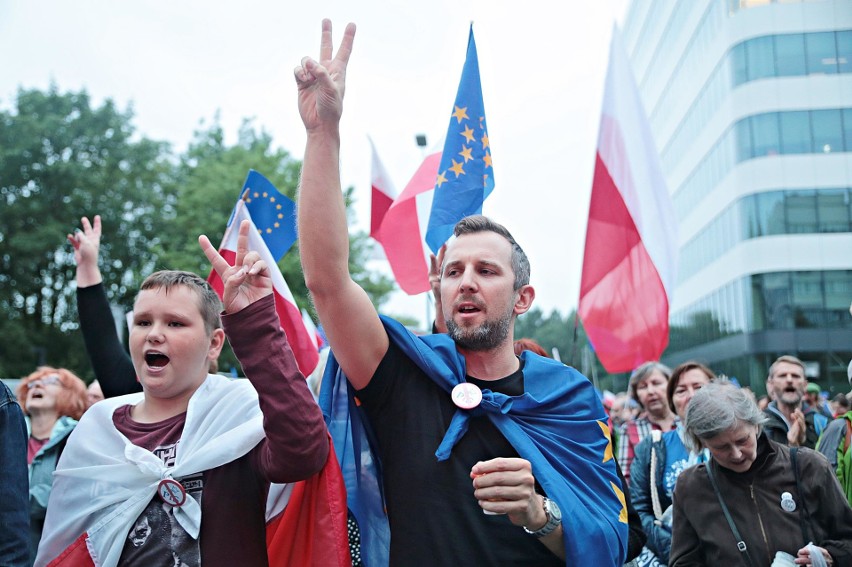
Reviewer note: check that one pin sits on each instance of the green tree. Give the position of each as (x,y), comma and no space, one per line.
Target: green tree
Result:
(62,158)
(211,175)
(557,331)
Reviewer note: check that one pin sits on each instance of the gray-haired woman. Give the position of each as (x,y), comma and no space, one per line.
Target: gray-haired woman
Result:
(754,498)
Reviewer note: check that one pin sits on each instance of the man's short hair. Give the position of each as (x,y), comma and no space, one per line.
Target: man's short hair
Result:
(480,223)
(789,359)
(208,302)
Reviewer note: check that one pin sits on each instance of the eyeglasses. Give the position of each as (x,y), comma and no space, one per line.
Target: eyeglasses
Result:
(46,381)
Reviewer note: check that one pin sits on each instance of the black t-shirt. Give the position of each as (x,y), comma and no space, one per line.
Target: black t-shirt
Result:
(434,517)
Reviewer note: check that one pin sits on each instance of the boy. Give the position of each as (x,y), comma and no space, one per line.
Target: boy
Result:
(181,473)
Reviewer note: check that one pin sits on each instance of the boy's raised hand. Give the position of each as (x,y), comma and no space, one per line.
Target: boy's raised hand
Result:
(247,280)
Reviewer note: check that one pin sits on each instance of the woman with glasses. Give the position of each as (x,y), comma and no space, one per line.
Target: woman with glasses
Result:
(53,400)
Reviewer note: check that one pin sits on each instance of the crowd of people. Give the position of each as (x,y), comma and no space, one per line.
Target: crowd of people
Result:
(464,446)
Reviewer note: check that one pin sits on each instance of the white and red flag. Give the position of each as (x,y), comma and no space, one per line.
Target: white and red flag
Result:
(401,230)
(289,314)
(448,186)
(630,259)
(383,192)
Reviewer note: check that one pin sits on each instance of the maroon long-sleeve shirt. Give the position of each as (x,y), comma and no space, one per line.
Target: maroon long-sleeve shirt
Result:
(233,496)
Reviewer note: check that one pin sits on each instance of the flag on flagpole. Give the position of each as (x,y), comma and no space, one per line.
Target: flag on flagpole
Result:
(289,314)
(382,192)
(272,212)
(465,176)
(447,186)
(630,258)
(400,232)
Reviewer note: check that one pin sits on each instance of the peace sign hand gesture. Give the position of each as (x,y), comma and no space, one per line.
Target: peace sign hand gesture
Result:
(247,280)
(322,83)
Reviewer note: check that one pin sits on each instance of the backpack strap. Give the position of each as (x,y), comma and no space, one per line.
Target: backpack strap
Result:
(804,516)
(741,544)
(656,435)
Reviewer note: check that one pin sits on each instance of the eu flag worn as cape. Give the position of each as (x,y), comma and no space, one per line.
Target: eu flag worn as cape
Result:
(558,425)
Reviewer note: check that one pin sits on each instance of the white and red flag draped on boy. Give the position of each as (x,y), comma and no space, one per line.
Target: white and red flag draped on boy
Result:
(289,314)
(447,187)
(630,258)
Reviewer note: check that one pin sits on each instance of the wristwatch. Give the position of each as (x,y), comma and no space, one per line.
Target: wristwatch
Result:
(554,518)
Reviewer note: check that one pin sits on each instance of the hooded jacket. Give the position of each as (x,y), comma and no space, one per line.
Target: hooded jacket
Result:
(701,535)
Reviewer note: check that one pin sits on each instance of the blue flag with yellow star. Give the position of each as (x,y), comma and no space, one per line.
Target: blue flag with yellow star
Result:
(273,213)
(465,176)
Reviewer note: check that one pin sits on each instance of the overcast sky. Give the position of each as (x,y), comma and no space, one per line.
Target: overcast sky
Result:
(542,66)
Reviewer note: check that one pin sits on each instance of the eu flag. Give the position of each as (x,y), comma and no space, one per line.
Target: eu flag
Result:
(465,176)
(273,213)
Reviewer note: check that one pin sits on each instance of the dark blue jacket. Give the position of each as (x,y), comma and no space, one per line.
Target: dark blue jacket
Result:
(14,507)
(659,538)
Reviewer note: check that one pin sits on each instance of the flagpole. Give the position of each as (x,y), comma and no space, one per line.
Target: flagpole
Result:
(427,325)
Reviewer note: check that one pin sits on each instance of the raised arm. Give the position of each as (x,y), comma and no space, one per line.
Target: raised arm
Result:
(296,444)
(111,363)
(351,323)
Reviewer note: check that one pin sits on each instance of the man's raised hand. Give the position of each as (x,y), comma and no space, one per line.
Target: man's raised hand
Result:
(247,280)
(322,83)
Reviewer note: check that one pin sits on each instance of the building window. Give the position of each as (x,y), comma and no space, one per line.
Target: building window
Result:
(795,132)
(844,51)
(760,58)
(807,299)
(838,290)
(821,53)
(790,55)
(765,135)
(833,211)
(770,213)
(827,126)
(801,212)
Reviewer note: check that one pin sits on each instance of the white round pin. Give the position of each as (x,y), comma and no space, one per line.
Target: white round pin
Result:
(466,395)
(787,502)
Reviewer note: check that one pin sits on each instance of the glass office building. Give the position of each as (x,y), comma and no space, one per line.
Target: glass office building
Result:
(750,104)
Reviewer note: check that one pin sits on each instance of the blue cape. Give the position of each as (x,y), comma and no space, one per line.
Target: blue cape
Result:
(558,424)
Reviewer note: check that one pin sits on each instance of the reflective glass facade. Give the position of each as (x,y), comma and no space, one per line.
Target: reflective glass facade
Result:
(750,104)
(769,134)
(786,55)
(762,302)
(770,213)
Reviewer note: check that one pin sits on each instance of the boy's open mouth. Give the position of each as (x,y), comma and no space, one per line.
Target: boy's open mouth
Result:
(156,359)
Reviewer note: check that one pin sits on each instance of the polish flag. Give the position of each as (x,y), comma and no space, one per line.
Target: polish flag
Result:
(402,227)
(298,336)
(629,265)
(383,192)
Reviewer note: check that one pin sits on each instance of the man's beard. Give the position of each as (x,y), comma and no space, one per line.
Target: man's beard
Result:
(487,336)
(792,399)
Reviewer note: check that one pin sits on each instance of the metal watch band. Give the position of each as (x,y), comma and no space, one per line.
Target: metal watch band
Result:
(553,520)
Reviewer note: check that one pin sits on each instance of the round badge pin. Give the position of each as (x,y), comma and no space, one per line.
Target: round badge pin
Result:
(787,502)
(171,492)
(466,395)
